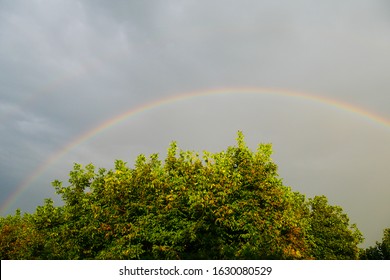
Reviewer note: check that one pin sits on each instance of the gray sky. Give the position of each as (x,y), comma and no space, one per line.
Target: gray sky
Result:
(68,66)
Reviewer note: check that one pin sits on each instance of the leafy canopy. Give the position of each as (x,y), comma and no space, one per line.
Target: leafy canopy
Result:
(226,205)
(381,250)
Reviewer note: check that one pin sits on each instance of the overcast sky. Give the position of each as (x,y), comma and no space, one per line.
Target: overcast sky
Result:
(68,66)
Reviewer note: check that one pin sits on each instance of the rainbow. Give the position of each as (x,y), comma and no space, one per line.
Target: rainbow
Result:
(172,99)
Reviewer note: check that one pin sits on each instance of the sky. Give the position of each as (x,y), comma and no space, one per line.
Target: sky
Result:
(95,81)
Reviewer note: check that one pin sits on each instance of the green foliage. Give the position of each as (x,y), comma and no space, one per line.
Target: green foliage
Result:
(381,250)
(333,236)
(19,238)
(226,205)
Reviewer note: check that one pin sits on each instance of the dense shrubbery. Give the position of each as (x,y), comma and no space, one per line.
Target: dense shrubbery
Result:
(227,205)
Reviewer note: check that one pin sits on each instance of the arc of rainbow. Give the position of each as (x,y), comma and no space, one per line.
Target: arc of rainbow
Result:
(175,98)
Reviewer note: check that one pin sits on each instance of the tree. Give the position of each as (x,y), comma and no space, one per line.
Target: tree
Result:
(332,235)
(226,205)
(19,239)
(381,250)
